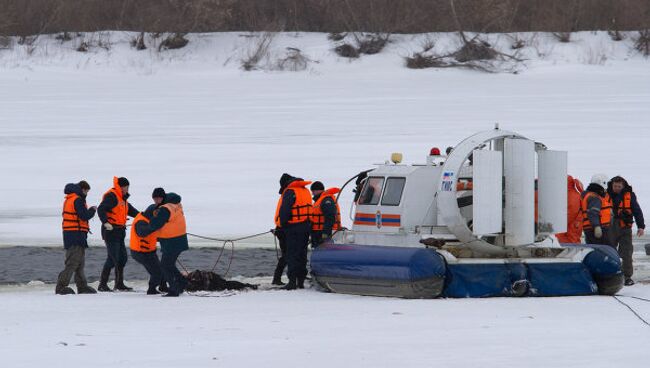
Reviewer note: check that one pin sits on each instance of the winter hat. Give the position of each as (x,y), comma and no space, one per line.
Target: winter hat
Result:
(84,185)
(317,186)
(599,179)
(285,180)
(158,193)
(123,182)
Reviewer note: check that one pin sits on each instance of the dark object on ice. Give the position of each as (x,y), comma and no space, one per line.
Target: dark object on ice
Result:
(647,249)
(210,281)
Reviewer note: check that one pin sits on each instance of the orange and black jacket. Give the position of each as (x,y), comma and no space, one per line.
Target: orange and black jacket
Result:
(295,205)
(162,218)
(109,202)
(326,216)
(626,206)
(596,208)
(73,234)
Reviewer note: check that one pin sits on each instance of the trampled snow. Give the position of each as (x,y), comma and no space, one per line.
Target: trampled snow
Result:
(312,329)
(192,121)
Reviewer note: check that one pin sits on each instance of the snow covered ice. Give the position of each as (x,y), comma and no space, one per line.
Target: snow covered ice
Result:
(193,122)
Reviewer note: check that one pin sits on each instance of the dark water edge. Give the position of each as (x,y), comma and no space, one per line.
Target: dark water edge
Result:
(24,264)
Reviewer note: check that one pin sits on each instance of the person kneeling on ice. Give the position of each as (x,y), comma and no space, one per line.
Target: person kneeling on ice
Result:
(76,215)
(326,215)
(143,249)
(292,216)
(596,211)
(169,221)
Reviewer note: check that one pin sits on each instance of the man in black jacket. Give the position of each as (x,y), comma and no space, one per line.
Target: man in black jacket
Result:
(113,211)
(626,211)
(75,238)
(326,214)
(293,214)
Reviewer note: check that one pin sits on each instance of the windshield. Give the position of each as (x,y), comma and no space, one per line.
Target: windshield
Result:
(371,191)
(393,192)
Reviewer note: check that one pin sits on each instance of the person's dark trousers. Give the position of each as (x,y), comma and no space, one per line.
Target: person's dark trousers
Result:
(115,249)
(75,260)
(171,274)
(282,260)
(297,237)
(151,263)
(622,241)
(590,238)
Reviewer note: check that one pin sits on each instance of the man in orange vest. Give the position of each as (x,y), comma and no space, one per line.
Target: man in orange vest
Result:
(113,213)
(326,215)
(169,222)
(76,215)
(596,211)
(574,213)
(143,249)
(626,211)
(292,217)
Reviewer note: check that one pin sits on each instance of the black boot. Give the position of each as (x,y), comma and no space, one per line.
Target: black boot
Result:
(103,280)
(301,283)
(291,285)
(119,280)
(163,287)
(629,281)
(277,281)
(86,290)
(277,275)
(152,291)
(64,290)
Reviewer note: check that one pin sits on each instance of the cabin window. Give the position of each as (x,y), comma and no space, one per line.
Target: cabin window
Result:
(372,191)
(393,192)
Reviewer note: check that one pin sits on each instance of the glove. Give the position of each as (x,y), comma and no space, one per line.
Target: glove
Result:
(94,208)
(598,232)
(108,226)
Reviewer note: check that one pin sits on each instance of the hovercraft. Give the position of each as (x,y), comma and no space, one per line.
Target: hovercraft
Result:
(476,223)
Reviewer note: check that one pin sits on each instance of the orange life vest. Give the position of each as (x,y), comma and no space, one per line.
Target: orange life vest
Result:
(71,220)
(624,207)
(317,218)
(138,243)
(117,215)
(605,211)
(175,226)
(302,207)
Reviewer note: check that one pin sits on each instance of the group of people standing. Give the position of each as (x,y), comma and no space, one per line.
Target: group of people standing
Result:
(302,214)
(163,221)
(605,212)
